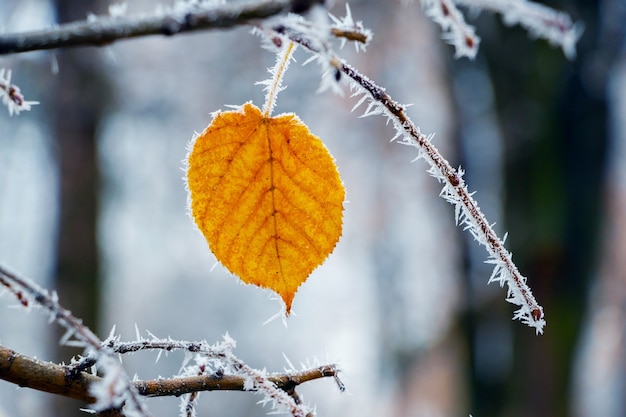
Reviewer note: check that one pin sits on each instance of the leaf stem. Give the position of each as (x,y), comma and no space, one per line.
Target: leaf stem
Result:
(274,86)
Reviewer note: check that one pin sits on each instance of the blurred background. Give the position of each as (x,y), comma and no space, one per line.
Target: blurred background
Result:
(93,205)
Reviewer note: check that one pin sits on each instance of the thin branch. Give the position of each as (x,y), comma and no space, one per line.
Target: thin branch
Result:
(221,382)
(11,96)
(456,31)
(541,21)
(115,388)
(56,379)
(44,376)
(220,354)
(30,294)
(105,30)
(454,190)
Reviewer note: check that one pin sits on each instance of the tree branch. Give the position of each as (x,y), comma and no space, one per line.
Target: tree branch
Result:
(56,379)
(105,30)
(44,376)
(116,387)
(455,191)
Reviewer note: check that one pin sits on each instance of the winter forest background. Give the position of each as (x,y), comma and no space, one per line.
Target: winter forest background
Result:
(92,204)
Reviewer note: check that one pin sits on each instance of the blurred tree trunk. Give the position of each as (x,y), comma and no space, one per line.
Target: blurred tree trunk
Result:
(81,96)
(600,369)
(553,115)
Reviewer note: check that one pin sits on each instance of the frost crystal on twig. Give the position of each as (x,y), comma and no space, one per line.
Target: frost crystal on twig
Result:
(219,357)
(541,21)
(456,31)
(348,29)
(114,390)
(467,211)
(11,96)
(274,85)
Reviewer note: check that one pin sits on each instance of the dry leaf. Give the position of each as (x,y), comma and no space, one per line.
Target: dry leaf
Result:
(267,196)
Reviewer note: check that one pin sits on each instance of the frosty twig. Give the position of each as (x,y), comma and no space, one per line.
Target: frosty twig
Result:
(215,366)
(541,21)
(115,389)
(104,30)
(53,378)
(467,211)
(11,96)
(454,191)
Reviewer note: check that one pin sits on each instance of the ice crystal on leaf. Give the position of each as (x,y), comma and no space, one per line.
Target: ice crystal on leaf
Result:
(265,192)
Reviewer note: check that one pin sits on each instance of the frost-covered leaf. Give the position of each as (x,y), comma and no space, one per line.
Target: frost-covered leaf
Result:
(267,196)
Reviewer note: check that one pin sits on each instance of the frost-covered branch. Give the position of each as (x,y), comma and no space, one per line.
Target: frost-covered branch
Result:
(541,21)
(181,18)
(455,191)
(455,30)
(214,367)
(45,376)
(115,389)
(218,359)
(57,379)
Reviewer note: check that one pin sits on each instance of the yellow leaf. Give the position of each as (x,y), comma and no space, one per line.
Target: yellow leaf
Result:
(267,196)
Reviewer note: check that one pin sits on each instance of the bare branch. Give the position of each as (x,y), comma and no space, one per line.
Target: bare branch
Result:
(105,30)
(44,376)
(115,388)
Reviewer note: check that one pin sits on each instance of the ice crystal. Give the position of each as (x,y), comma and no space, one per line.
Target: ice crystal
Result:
(11,96)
